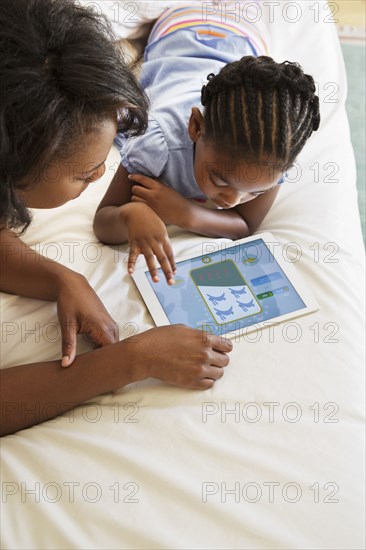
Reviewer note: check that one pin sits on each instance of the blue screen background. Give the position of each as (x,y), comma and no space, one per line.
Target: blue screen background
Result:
(252,267)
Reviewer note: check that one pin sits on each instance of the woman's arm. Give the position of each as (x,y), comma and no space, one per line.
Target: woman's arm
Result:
(177,355)
(26,273)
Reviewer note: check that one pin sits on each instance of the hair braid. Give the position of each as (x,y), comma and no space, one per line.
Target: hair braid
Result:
(267,102)
(275,109)
(240,106)
(252,106)
(283,134)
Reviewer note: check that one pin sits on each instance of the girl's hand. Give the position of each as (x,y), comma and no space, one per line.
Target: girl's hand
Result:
(178,355)
(169,205)
(80,311)
(147,235)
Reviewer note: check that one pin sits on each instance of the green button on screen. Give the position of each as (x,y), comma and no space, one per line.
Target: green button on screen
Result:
(264,295)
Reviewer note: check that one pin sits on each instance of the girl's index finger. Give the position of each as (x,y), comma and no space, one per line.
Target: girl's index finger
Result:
(170,255)
(133,257)
(168,269)
(150,262)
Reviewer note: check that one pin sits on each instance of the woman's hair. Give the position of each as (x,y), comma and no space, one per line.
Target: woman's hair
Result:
(62,74)
(261,111)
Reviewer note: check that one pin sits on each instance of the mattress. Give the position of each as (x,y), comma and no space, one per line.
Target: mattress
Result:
(271,457)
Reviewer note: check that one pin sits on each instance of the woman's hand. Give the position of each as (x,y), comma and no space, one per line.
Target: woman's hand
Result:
(80,311)
(178,355)
(169,205)
(147,235)
(27,273)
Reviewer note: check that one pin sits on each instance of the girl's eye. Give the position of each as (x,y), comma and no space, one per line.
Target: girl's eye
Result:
(258,194)
(215,182)
(262,192)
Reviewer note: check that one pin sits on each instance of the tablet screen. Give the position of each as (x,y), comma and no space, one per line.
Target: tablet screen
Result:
(227,290)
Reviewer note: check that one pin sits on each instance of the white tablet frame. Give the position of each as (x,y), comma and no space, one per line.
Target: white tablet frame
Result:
(160,318)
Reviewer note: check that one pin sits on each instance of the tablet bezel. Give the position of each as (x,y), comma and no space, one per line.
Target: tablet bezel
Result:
(158,314)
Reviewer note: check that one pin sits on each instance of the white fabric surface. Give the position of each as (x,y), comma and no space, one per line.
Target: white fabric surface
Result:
(153,442)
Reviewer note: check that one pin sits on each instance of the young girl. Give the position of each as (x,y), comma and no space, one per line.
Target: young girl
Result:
(64,84)
(257,117)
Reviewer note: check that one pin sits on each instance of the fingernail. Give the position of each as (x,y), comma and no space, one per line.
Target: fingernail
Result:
(171,282)
(156,278)
(65,360)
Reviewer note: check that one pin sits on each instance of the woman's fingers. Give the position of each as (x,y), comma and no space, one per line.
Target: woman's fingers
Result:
(219,359)
(214,373)
(69,331)
(219,343)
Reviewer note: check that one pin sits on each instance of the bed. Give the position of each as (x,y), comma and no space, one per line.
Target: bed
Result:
(272,457)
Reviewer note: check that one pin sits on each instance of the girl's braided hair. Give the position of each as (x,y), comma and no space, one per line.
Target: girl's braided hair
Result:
(61,74)
(260,110)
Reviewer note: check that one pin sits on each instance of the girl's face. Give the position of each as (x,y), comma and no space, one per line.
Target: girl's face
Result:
(67,179)
(228,182)
(221,178)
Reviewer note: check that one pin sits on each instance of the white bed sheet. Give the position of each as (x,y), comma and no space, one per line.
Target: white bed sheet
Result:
(154,466)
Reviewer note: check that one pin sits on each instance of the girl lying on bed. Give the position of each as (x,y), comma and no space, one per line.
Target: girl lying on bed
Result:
(257,117)
(63,81)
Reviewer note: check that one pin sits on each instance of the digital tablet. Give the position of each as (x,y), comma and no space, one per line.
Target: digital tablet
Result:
(229,289)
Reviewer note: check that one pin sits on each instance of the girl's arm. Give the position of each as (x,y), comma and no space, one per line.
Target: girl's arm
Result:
(177,355)
(254,211)
(26,273)
(172,208)
(235,223)
(110,221)
(118,220)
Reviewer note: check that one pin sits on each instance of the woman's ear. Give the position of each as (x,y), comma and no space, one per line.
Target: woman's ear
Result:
(195,124)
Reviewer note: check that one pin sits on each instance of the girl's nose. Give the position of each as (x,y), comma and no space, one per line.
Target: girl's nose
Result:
(230,197)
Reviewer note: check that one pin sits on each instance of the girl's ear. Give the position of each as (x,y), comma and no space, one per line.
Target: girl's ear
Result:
(195,124)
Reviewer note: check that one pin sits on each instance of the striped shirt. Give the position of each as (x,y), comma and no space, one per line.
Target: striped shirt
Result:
(219,20)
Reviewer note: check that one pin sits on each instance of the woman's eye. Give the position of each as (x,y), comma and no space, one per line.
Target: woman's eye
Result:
(88,179)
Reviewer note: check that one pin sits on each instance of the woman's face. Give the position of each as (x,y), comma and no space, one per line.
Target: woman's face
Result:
(66,179)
